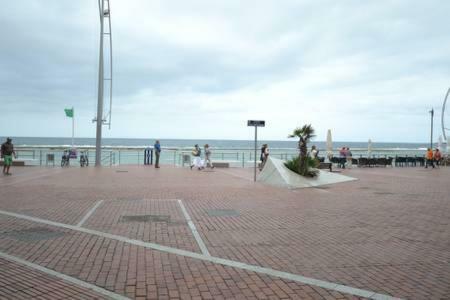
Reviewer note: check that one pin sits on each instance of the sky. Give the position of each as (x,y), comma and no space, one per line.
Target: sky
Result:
(200,69)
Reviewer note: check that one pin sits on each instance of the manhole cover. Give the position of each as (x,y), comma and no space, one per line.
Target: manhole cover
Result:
(222,213)
(145,218)
(178,223)
(383,193)
(34,234)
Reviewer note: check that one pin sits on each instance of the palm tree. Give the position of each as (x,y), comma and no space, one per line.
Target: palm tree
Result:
(304,134)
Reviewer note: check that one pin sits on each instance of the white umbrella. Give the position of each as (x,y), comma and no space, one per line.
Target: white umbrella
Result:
(369,148)
(329,144)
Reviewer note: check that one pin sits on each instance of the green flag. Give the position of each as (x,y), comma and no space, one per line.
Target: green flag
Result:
(69,112)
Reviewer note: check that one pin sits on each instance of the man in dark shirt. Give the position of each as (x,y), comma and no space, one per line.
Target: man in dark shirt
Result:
(7,151)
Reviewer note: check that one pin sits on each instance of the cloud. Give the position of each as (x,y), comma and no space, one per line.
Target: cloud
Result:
(199,70)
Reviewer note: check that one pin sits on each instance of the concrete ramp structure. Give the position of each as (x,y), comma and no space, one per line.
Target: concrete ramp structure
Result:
(277,174)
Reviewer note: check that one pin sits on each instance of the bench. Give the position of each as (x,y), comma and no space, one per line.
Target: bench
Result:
(220,164)
(324,165)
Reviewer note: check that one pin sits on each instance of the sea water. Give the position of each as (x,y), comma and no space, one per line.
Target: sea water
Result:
(217,144)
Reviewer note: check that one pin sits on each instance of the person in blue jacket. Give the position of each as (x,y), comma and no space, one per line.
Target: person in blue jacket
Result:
(157,148)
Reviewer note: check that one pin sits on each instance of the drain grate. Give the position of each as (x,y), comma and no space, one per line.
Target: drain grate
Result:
(121,171)
(145,218)
(178,223)
(34,234)
(222,213)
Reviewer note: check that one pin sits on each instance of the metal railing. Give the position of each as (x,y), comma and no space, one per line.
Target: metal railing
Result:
(112,156)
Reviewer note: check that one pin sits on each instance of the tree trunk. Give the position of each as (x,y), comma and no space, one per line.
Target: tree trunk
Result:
(303,164)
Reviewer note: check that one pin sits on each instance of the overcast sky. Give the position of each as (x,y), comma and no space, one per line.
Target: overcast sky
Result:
(201,69)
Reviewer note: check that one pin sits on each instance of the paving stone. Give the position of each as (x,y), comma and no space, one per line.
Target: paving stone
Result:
(388,232)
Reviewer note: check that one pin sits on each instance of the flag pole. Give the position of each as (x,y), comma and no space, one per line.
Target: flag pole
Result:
(73,124)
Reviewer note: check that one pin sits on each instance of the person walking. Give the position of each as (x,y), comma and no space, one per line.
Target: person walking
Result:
(437,157)
(7,151)
(429,158)
(157,148)
(197,161)
(208,157)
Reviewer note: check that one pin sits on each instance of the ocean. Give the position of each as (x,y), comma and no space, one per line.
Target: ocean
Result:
(214,144)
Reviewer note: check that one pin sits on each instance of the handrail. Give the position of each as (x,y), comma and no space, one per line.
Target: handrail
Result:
(174,156)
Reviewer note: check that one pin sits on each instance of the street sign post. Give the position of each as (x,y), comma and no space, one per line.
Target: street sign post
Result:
(256,123)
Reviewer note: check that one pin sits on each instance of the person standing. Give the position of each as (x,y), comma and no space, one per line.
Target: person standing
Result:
(157,148)
(437,157)
(314,153)
(264,156)
(349,158)
(208,157)
(342,157)
(429,158)
(7,151)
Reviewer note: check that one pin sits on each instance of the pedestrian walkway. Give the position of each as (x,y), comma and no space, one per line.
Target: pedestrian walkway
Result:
(171,233)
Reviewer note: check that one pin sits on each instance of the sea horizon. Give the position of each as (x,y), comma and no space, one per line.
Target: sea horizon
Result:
(215,143)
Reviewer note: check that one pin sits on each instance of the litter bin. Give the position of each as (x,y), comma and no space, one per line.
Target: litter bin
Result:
(186,159)
(50,159)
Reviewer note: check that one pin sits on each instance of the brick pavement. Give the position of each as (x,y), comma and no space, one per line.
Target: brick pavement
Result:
(19,282)
(388,232)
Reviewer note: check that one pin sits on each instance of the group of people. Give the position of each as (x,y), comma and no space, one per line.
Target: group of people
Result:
(345,157)
(433,157)
(197,160)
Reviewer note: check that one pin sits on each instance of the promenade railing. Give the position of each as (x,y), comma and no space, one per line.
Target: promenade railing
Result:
(111,156)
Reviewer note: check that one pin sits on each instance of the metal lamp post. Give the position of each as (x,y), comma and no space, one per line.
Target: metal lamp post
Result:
(432,117)
(104,12)
(256,123)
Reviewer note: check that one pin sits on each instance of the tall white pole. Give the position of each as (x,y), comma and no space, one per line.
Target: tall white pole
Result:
(431,138)
(443,116)
(73,125)
(98,142)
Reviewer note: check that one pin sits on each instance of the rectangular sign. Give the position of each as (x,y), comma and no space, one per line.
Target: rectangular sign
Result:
(257,123)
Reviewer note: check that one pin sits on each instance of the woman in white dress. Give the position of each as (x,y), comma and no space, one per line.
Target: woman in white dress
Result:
(196,160)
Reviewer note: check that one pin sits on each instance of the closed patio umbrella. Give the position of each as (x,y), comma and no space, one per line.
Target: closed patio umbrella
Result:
(329,144)
(440,143)
(369,148)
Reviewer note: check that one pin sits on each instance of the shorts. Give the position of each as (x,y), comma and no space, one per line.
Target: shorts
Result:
(7,159)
